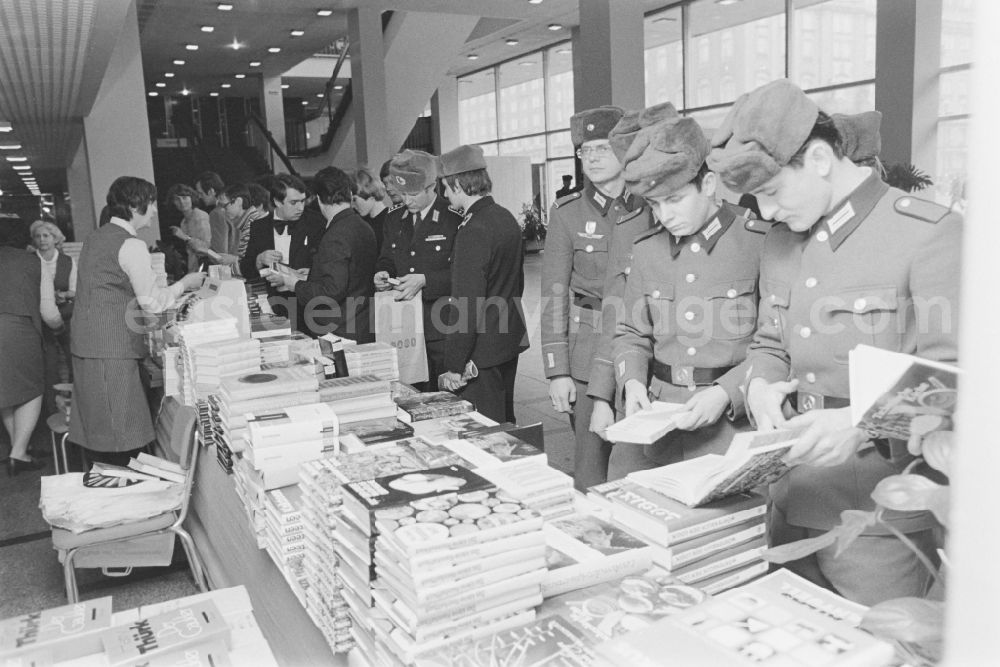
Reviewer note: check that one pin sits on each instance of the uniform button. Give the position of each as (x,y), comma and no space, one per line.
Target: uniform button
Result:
(656,294)
(822,236)
(393,245)
(810,377)
(811,282)
(437,248)
(691,351)
(731,294)
(589,248)
(690,277)
(628,270)
(617,207)
(412,269)
(412,253)
(689,316)
(695,247)
(859,304)
(805,332)
(904,203)
(576,318)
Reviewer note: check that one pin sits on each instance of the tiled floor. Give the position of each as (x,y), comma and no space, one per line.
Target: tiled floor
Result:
(31,576)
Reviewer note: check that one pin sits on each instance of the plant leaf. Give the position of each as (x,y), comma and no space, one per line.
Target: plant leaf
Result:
(801,548)
(906,619)
(910,493)
(853,524)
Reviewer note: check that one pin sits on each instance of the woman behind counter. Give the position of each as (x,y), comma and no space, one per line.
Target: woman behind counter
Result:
(25,302)
(110,416)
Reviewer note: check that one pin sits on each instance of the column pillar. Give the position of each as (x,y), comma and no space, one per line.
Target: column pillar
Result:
(907,63)
(273,106)
(608,65)
(81,197)
(444,109)
(367,51)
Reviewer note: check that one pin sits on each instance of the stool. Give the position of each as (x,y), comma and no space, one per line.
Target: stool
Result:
(58,426)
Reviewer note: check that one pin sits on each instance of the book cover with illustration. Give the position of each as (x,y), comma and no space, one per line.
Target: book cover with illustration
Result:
(431,405)
(68,631)
(895,395)
(185,626)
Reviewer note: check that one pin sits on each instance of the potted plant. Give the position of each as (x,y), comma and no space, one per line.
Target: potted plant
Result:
(533,227)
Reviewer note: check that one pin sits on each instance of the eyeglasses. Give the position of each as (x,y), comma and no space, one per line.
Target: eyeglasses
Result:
(601,150)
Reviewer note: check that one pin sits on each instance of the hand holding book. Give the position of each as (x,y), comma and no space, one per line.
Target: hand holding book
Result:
(827,439)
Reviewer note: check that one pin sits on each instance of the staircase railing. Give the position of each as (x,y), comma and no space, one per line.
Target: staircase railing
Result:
(257,123)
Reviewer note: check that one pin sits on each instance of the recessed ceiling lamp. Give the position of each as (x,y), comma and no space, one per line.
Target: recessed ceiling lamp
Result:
(17,158)
(664,19)
(274,49)
(226,85)
(191,47)
(534,2)
(213,94)
(511,41)
(526,63)
(5,126)
(324,12)
(321,95)
(21,167)
(284,86)
(169,75)
(254,63)
(555,26)
(304,103)
(179,62)
(472,56)
(10,147)
(185,92)
(224,7)
(564,52)
(724,3)
(241,76)
(338,87)
(208,28)
(297,33)
(236,44)
(153,93)
(160,84)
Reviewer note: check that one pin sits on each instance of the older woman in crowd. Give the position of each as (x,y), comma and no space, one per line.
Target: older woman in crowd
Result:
(111,417)
(194,225)
(60,270)
(26,300)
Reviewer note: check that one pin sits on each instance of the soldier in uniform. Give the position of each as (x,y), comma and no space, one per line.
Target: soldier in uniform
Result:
(487,281)
(854,261)
(581,226)
(690,300)
(416,249)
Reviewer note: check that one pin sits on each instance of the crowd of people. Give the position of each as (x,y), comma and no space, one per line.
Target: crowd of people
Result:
(653,288)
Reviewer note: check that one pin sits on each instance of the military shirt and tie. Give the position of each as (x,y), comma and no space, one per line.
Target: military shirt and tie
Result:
(880,269)
(690,310)
(584,228)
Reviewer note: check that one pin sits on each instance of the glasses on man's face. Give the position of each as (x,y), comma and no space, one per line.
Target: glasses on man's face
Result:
(601,150)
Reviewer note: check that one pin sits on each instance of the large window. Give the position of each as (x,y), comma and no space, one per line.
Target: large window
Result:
(664,64)
(477,107)
(953,104)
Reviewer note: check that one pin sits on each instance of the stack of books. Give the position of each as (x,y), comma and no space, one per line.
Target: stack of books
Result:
(211,362)
(431,405)
(55,635)
(360,435)
(447,557)
(158,262)
(273,388)
(372,359)
(171,374)
(715,546)
(358,398)
(279,440)
(284,533)
(191,336)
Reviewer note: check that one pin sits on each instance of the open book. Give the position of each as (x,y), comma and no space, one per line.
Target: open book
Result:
(753,459)
(894,394)
(645,426)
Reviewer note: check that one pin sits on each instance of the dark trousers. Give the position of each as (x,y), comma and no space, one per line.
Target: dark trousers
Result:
(590,457)
(435,365)
(493,391)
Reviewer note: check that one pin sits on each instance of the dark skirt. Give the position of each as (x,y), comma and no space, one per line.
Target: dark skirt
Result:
(110,412)
(22,373)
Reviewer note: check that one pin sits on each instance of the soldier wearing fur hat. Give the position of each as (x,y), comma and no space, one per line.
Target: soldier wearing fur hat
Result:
(417,243)
(487,281)
(690,303)
(853,261)
(581,231)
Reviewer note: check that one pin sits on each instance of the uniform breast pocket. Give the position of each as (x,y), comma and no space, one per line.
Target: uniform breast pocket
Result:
(733,308)
(660,302)
(868,315)
(590,257)
(774,300)
(436,250)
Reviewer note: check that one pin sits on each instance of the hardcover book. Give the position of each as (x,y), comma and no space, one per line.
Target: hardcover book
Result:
(63,633)
(645,426)
(272,382)
(373,431)
(493,449)
(147,637)
(753,459)
(431,405)
(894,395)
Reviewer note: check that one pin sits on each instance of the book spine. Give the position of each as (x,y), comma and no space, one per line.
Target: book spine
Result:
(477,566)
(424,633)
(734,579)
(480,596)
(441,561)
(599,571)
(426,595)
(680,558)
(691,575)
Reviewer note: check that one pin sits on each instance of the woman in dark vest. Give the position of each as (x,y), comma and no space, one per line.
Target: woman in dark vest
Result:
(116,286)
(25,302)
(59,269)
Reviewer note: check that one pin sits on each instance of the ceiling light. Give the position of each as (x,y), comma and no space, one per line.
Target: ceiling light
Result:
(274,49)
(726,2)
(185,92)
(10,147)
(534,2)
(226,85)
(153,93)
(564,52)
(160,84)
(213,94)
(208,28)
(511,41)
(224,7)
(17,158)
(555,26)
(526,63)
(241,76)
(178,62)
(664,19)
(21,167)
(472,56)
(338,87)
(324,12)
(169,75)
(191,47)
(304,103)
(284,86)
(236,45)
(297,33)
(5,126)
(321,95)
(254,63)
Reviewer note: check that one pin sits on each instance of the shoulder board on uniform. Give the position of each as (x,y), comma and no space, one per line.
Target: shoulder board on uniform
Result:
(397,206)
(758,226)
(456,211)
(921,209)
(652,231)
(567,199)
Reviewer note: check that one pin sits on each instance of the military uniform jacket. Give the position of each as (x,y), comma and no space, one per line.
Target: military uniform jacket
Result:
(692,303)
(881,269)
(425,248)
(487,281)
(577,250)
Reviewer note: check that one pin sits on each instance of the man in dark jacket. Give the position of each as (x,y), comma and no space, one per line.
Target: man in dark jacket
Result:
(285,235)
(487,281)
(336,296)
